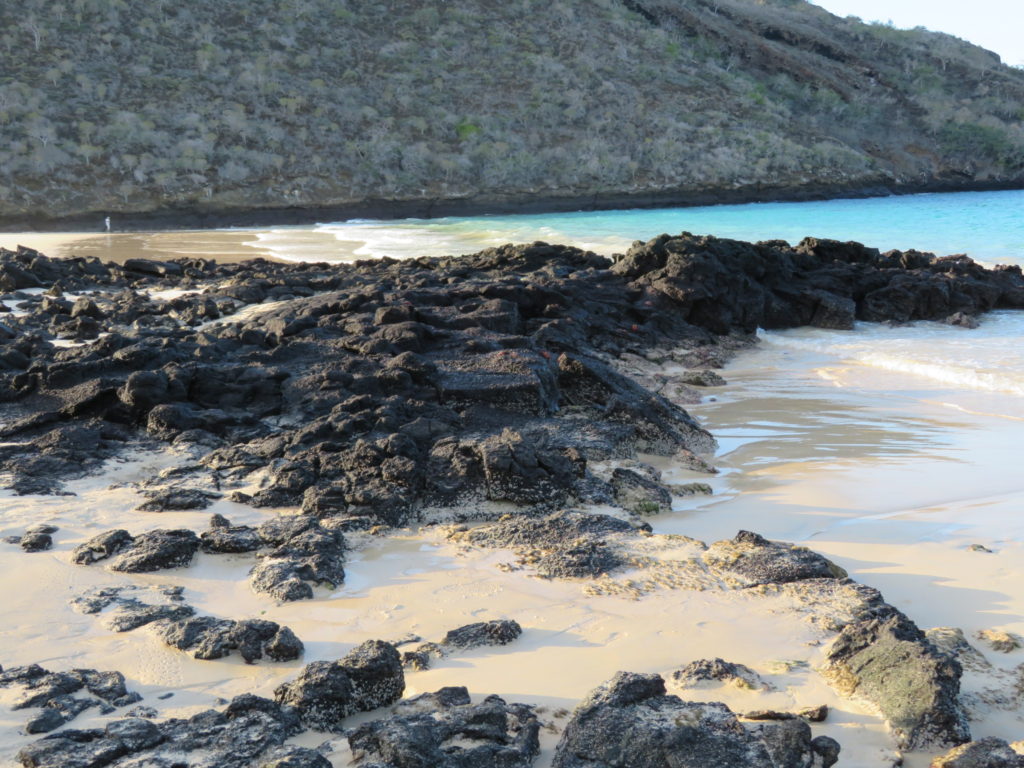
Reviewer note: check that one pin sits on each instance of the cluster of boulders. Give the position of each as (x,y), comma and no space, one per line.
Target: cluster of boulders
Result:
(37,538)
(632,721)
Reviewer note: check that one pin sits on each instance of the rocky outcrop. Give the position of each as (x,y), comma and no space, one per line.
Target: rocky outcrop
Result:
(326,692)
(247,731)
(206,637)
(386,390)
(630,721)
(145,553)
(374,394)
(481,633)
(102,546)
(302,553)
(55,694)
(445,730)
(987,753)
(821,283)
(697,673)
(889,662)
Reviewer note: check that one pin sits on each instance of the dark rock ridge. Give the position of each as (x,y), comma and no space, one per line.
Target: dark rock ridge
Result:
(377,390)
(630,721)
(445,730)
(326,692)
(205,637)
(53,692)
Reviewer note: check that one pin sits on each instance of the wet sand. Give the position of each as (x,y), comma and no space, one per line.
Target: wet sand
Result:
(221,245)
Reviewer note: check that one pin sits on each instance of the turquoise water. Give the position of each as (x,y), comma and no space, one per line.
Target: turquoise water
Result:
(989,226)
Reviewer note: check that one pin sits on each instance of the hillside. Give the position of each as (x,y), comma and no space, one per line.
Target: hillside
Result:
(202,106)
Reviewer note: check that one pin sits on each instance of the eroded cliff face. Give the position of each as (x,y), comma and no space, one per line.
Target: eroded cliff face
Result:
(210,108)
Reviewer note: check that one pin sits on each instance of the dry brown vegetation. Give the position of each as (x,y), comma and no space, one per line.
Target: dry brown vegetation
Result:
(111,105)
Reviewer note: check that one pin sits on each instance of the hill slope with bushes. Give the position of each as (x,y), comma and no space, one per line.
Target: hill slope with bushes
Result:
(202,106)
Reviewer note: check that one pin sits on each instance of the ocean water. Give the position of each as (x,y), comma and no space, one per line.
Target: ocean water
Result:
(989,226)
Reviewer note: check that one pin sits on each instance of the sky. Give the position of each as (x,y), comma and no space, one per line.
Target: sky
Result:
(992,24)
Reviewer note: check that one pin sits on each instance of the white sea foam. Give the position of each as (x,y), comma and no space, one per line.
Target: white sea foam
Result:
(986,359)
(985,225)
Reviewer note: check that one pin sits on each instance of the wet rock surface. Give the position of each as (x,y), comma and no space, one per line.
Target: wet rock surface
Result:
(62,696)
(445,730)
(630,721)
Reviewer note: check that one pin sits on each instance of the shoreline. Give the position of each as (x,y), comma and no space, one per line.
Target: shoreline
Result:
(195,218)
(543,390)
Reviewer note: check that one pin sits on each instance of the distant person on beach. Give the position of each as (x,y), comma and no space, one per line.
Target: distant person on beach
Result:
(106,221)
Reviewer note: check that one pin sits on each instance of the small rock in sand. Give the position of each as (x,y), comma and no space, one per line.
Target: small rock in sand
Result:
(696,673)
(998,640)
(986,753)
